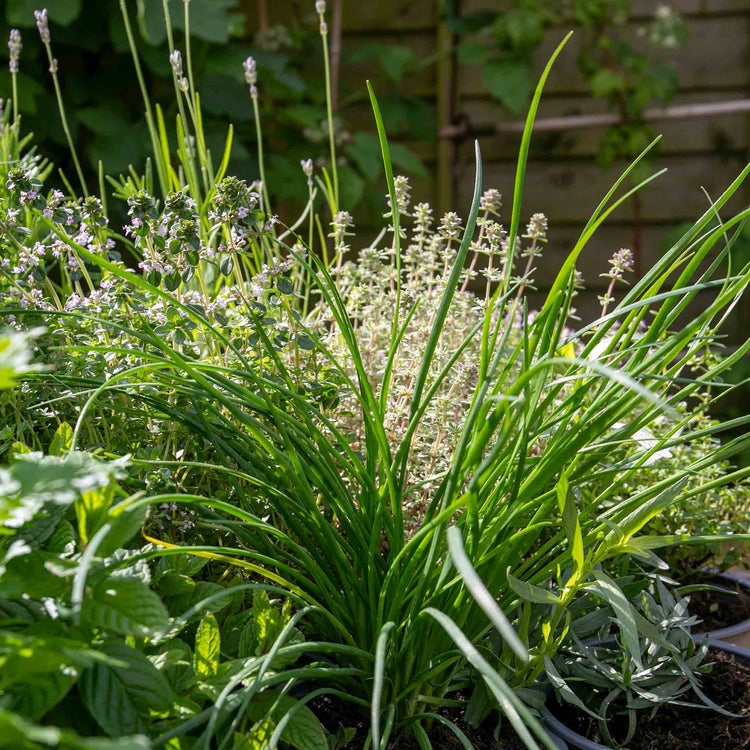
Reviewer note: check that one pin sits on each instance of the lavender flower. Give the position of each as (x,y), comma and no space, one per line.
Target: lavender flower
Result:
(42,23)
(175,60)
(14,48)
(251,71)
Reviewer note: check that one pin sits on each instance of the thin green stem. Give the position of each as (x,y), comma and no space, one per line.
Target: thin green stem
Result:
(64,118)
(159,155)
(329,109)
(261,164)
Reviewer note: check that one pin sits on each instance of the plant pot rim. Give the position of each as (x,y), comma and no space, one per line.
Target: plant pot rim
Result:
(575,741)
(718,635)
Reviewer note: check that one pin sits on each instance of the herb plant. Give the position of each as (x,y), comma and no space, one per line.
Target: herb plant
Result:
(413,476)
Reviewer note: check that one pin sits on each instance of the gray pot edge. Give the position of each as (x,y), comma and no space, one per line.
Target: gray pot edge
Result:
(718,635)
(575,741)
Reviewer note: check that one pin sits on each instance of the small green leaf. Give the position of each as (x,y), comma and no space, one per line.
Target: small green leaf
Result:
(510,82)
(124,526)
(406,159)
(91,510)
(530,593)
(303,732)
(62,441)
(608,590)
(284,285)
(567,503)
(305,342)
(125,606)
(207,647)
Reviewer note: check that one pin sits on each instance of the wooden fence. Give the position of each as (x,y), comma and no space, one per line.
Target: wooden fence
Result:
(563,180)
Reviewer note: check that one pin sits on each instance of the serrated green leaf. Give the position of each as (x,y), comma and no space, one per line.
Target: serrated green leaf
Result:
(121,698)
(38,696)
(207,647)
(303,732)
(62,541)
(126,607)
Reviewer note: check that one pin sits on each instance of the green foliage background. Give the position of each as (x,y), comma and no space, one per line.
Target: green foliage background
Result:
(105,106)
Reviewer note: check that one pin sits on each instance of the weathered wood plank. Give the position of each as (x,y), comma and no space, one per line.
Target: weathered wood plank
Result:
(638,8)
(397,15)
(724,133)
(357,15)
(569,191)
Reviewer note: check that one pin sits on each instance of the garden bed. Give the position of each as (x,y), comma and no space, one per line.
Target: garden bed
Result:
(335,715)
(675,727)
(718,610)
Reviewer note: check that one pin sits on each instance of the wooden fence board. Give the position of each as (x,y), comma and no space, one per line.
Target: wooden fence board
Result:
(569,191)
(725,133)
(357,15)
(641,9)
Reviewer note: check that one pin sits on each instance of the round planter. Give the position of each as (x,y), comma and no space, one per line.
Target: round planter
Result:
(575,741)
(738,629)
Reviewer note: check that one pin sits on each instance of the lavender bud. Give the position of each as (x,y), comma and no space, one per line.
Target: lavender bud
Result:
(320,7)
(53,66)
(307,168)
(251,71)
(175,60)
(14,48)
(42,23)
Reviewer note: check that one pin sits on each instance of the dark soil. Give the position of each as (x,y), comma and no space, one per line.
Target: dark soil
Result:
(680,727)
(720,609)
(335,715)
